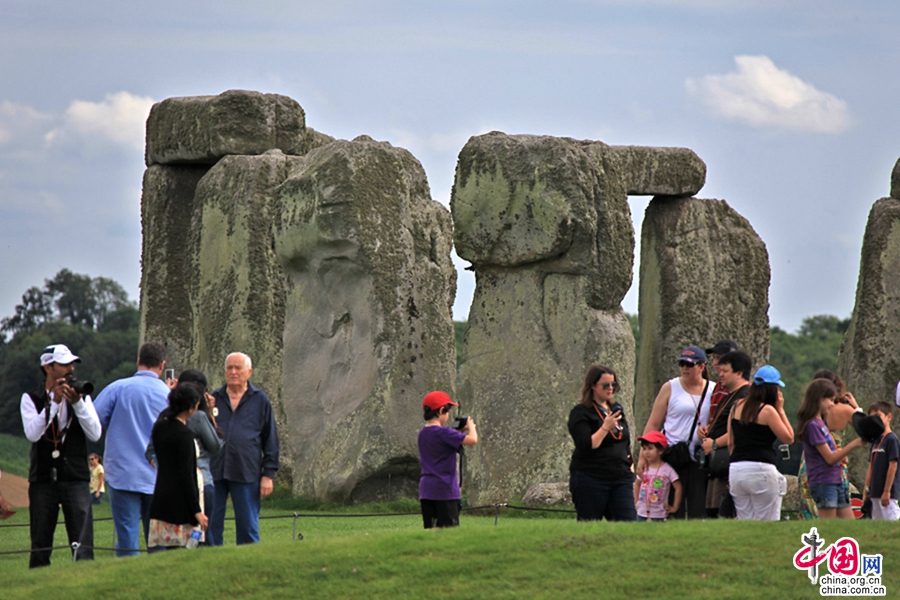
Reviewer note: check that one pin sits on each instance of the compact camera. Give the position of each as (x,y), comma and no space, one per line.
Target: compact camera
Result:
(460,422)
(85,388)
(699,455)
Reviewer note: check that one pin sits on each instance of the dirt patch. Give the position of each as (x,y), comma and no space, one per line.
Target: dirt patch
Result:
(14,490)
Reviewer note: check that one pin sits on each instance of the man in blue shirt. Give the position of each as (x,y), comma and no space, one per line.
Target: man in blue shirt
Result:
(247,463)
(128,408)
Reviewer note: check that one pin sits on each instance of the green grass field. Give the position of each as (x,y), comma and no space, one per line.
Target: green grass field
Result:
(393,557)
(15,454)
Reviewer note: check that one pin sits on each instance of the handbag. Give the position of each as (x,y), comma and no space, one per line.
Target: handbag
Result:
(678,455)
(717,463)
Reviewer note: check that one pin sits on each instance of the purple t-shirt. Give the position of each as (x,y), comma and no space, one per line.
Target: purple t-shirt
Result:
(437,455)
(817,470)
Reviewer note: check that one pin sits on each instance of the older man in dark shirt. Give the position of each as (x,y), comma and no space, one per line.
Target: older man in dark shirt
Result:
(247,463)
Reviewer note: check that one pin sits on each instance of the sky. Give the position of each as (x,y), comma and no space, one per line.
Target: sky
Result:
(792,105)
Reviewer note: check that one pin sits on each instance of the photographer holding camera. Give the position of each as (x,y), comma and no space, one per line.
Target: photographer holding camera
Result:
(59,417)
(439,492)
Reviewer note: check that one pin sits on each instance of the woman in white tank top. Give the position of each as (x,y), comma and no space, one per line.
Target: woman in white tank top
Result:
(682,401)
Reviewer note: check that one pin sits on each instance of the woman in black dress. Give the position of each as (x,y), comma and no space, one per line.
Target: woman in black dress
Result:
(176,509)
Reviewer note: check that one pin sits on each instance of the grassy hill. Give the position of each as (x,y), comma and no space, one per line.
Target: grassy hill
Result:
(392,557)
(14,454)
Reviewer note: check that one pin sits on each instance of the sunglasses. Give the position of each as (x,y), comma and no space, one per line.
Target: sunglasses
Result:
(689,365)
(607,385)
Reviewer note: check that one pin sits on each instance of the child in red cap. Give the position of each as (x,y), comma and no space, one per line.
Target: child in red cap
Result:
(438,446)
(651,489)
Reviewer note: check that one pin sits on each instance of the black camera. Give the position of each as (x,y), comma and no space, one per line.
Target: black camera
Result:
(84,388)
(460,422)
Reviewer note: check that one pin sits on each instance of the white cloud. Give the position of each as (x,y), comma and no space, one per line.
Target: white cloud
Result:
(120,118)
(760,94)
(15,119)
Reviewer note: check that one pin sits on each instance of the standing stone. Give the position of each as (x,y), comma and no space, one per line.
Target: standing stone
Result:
(546,224)
(869,360)
(704,276)
(237,288)
(167,261)
(895,180)
(368,332)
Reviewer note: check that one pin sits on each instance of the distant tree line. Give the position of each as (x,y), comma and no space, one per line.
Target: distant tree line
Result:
(93,316)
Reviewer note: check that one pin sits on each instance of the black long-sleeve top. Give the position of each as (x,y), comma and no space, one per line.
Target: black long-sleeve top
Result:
(611,460)
(176,498)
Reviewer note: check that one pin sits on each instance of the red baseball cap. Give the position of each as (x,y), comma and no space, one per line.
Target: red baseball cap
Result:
(436,400)
(655,437)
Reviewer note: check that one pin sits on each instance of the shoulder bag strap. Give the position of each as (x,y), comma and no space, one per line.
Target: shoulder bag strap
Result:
(697,416)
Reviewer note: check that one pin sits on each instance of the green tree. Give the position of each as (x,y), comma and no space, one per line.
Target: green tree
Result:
(798,356)
(92,316)
(68,297)
(459,330)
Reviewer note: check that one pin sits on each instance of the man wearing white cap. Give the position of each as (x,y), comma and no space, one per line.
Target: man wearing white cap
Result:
(58,421)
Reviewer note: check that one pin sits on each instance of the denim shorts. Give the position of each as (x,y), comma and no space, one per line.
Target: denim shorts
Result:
(829,495)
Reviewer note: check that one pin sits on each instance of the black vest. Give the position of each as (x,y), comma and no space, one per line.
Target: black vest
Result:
(72,464)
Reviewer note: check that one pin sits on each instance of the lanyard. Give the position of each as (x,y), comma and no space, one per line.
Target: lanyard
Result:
(615,433)
(53,427)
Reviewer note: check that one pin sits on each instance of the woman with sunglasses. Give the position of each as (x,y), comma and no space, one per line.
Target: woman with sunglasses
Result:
(601,480)
(679,410)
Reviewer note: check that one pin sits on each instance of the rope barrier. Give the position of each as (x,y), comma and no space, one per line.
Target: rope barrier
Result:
(296,535)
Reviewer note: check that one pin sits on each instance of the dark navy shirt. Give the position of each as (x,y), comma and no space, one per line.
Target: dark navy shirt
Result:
(251,441)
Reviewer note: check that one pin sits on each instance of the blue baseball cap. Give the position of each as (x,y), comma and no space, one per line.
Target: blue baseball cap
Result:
(693,354)
(768,374)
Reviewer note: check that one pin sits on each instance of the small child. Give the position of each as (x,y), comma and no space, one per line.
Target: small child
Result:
(651,489)
(881,478)
(438,447)
(98,484)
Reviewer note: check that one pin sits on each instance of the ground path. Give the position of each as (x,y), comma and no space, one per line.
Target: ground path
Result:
(14,490)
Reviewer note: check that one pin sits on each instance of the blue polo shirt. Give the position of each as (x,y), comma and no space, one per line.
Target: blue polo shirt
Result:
(251,440)
(128,408)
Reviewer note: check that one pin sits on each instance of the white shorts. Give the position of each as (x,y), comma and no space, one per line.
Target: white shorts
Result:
(891,512)
(757,489)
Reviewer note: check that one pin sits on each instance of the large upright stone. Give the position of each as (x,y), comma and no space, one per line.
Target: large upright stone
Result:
(237,288)
(202,129)
(545,222)
(704,276)
(895,180)
(368,331)
(167,258)
(869,360)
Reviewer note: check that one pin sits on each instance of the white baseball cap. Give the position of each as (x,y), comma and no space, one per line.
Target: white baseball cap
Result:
(58,353)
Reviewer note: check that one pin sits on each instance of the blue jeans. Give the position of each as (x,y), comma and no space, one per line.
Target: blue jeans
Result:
(246,502)
(829,495)
(645,519)
(596,499)
(209,507)
(44,499)
(129,511)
